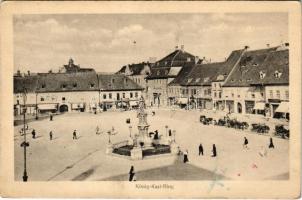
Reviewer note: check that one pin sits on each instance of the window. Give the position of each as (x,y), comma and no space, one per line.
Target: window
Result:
(91,85)
(110,96)
(42,99)
(63,98)
(205,92)
(271,94)
(75,85)
(136,94)
(277,74)
(219,94)
(253,95)
(112,80)
(43,85)
(124,95)
(278,94)
(194,91)
(215,95)
(18,102)
(286,94)
(233,95)
(131,95)
(209,91)
(104,96)
(261,74)
(63,86)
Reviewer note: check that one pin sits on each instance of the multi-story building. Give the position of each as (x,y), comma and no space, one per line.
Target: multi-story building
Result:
(259,82)
(117,90)
(219,102)
(74,91)
(25,84)
(164,71)
(138,73)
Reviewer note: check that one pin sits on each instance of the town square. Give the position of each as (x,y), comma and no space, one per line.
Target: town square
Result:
(141,111)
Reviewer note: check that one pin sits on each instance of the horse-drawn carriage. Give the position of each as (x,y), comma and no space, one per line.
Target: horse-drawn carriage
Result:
(205,120)
(282,131)
(260,128)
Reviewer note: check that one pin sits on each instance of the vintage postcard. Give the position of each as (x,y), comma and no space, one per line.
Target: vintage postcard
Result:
(150,99)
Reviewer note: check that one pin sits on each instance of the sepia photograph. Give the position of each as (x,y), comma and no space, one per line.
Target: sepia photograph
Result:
(152,98)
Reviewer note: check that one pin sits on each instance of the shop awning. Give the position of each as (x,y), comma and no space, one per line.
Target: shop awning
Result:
(283,107)
(47,106)
(259,106)
(182,100)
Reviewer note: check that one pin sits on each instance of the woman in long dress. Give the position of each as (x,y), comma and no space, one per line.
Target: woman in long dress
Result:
(131,173)
(186,158)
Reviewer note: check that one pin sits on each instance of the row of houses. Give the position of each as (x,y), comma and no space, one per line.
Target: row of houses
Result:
(248,81)
(74,89)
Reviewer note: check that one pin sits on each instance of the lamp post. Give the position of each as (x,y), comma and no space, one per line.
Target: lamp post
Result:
(130,128)
(166,130)
(24,144)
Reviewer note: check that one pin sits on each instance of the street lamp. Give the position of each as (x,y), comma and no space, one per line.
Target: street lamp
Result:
(166,130)
(24,144)
(130,128)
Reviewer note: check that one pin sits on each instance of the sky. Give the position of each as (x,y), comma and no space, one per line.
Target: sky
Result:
(106,42)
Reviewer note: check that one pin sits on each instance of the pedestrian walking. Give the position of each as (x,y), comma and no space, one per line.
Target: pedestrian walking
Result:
(50,117)
(214,151)
(50,135)
(200,149)
(245,143)
(33,133)
(131,173)
(74,135)
(271,144)
(186,156)
(170,132)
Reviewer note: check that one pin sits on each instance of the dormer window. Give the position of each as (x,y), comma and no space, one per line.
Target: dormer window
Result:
(277,74)
(43,85)
(75,85)
(255,64)
(262,75)
(197,80)
(188,59)
(91,85)
(189,80)
(206,79)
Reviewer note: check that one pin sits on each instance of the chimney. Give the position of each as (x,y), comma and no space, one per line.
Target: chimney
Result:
(286,44)
(246,47)
(28,73)
(267,45)
(196,59)
(182,48)
(18,73)
(176,47)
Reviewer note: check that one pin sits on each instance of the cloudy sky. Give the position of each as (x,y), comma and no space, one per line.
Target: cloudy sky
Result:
(106,41)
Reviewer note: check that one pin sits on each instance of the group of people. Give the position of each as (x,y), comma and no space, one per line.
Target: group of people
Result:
(263,151)
(214,150)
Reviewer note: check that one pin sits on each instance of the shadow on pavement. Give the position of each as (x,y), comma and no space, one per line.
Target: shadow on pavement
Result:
(84,175)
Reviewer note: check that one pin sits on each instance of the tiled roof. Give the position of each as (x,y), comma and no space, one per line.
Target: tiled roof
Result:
(247,71)
(228,65)
(136,69)
(164,72)
(27,82)
(203,74)
(176,58)
(184,72)
(112,82)
(276,62)
(59,82)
